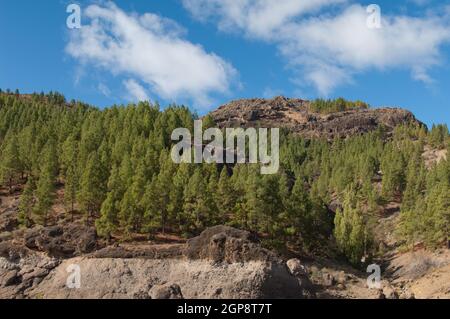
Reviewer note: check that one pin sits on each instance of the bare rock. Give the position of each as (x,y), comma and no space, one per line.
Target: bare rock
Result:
(166,291)
(226,244)
(62,241)
(340,286)
(328,280)
(341,277)
(9,278)
(390,293)
(407,295)
(381,295)
(222,262)
(197,279)
(8,220)
(296,268)
(300,272)
(22,269)
(295,115)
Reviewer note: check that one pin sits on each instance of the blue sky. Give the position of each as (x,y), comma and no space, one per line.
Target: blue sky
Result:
(203,53)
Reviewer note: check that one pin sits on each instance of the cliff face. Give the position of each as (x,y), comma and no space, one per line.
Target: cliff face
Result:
(295,115)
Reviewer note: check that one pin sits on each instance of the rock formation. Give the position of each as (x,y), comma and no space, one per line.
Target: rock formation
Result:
(222,262)
(295,115)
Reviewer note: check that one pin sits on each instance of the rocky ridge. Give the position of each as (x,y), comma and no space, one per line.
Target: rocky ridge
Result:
(295,115)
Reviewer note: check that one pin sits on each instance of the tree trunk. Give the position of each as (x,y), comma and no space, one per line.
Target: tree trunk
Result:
(72,212)
(163,224)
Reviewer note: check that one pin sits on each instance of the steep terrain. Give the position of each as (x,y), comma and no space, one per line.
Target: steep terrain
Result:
(295,115)
(101,193)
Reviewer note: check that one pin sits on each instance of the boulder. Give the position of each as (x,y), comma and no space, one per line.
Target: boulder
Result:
(226,244)
(296,268)
(301,273)
(8,220)
(390,293)
(9,278)
(166,291)
(407,295)
(328,280)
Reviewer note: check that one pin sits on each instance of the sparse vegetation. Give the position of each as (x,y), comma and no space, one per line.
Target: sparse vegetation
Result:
(337,105)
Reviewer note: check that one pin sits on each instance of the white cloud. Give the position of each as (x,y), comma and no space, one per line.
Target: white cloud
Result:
(104,89)
(328,48)
(136,91)
(152,49)
(257,18)
(331,49)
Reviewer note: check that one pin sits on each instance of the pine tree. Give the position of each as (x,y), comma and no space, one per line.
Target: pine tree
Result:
(71,188)
(438,135)
(212,180)
(26,204)
(45,193)
(438,215)
(108,221)
(136,193)
(358,238)
(352,235)
(196,207)
(92,187)
(157,195)
(176,195)
(393,173)
(152,204)
(10,161)
(415,181)
(70,173)
(225,196)
(300,225)
(270,204)
(409,227)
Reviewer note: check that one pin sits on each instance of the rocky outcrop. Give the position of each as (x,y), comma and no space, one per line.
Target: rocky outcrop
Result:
(301,273)
(222,262)
(169,278)
(295,115)
(62,241)
(166,291)
(226,244)
(22,270)
(8,220)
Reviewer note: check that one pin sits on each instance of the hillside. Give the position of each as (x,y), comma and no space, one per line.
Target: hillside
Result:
(98,187)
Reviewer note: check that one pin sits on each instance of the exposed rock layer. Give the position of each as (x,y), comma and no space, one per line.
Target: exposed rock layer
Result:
(221,263)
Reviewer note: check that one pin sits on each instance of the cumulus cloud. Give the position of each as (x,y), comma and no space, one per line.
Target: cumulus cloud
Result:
(151,49)
(329,47)
(257,18)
